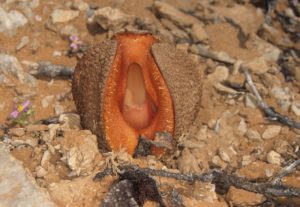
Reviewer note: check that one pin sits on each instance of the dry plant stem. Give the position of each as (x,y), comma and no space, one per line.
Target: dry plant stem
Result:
(269,111)
(285,171)
(218,177)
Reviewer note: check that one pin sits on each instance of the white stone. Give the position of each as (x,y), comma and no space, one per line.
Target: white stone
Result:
(242,128)
(268,51)
(70,121)
(47,100)
(169,12)
(247,159)
(40,172)
(223,155)
(109,18)
(68,30)
(34,3)
(81,158)
(46,158)
(281,93)
(52,132)
(10,21)
(271,131)
(202,133)
(187,162)
(17,132)
(296,108)
(220,74)
(23,42)
(80,5)
(269,172)
(218,161)
(9,65)
(198,33)
(59,109)
(274,158)
(62,15)
(257,65)
(17,187)
(28,141)
(57,53)
(253,135)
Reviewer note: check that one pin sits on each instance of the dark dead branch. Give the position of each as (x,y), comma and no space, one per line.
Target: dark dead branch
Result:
(132,189)
(50,120)
(220,178)
(50,70)
(269,111)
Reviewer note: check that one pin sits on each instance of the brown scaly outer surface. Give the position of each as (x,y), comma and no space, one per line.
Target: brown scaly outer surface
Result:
(183,80)
(88,86)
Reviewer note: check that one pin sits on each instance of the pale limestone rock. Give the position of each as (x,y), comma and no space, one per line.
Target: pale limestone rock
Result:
(63,15)
(271,131)
(253,135)
(11,21)
(274,158)
(17,187)
(46,101)
(114,19)
(257,65)
(198,33)
(240,197)
(169,12)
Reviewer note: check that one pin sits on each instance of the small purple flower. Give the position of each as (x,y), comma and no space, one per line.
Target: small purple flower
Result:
(14,114)
(75,42)
(20,108)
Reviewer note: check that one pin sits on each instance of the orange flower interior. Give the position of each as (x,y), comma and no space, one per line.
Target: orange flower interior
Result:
(136,100)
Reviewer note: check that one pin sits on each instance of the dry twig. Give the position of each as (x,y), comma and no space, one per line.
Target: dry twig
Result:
(285,171)
(269,111)
(220,178)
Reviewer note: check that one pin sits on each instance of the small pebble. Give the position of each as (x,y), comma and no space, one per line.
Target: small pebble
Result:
(242,128)
(23,42)
(274,158)
(271,131)
(223,155)
(253,135)
(57,53)
(216,160)
(247,159)
(17,132)
(40,172)
(296,108)
(46,101)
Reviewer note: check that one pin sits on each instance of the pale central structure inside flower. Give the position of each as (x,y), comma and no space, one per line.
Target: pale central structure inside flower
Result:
(138,109)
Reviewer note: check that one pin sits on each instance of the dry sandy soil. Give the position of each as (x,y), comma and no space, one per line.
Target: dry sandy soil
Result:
(230,131)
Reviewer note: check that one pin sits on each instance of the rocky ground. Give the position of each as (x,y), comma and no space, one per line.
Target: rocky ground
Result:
(43,149)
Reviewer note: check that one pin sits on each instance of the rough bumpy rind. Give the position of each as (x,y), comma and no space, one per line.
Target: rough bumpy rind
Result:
(88,87)
(183,82)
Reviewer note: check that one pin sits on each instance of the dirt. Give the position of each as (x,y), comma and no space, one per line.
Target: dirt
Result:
(64,158)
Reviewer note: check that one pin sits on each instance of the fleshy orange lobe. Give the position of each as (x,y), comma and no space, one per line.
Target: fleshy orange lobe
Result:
(136,106)
(137,100)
